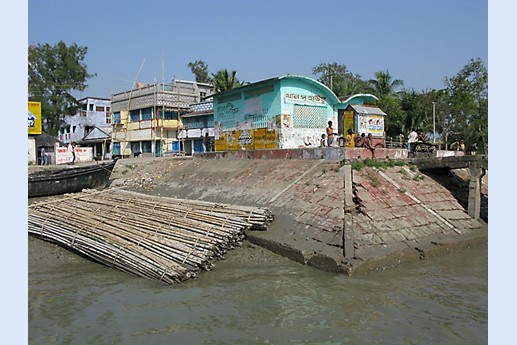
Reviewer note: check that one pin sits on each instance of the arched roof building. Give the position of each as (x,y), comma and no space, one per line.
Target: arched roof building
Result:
(290,111)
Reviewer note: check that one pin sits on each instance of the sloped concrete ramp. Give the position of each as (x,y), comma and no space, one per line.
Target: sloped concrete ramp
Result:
(398,213)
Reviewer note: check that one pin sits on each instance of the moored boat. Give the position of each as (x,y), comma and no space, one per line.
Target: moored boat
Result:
(70,180)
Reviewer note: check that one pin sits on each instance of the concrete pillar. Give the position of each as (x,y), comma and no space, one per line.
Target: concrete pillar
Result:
(474,204)
(348,220)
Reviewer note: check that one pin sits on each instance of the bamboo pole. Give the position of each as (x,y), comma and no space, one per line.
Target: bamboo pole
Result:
(159,238)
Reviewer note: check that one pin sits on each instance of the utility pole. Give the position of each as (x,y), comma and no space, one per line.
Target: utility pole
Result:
(434,123)
(330,77)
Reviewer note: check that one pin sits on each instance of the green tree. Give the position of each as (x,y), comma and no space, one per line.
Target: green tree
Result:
(409,103)
(389,101)
(53,73)
(339,79)
(394,121)
(200,70)
(384,86)
(467,111)
(418,109)
(224,80)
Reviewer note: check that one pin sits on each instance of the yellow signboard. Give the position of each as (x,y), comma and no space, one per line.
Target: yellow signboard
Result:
(348,120)
(256,139)
(34,117)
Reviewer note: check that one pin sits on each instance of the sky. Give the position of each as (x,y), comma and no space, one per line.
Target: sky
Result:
(419,42)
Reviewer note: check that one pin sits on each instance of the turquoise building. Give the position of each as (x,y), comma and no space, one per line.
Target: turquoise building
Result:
(291,111)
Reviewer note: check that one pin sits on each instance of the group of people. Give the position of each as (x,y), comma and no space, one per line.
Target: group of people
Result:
(363,140)
(415,137)
(350,140)
(46,158)
(458,146)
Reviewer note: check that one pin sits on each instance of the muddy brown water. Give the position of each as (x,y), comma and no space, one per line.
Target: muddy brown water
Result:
(256,297)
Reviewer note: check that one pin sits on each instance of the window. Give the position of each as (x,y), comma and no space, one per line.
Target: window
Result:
(108,108)
(135,146)
(116,149)
(146,113)
(108,118)
(146,146)
(116,117)
(91,107)
(99,108)
(306,116)
(134,115)
(170,115)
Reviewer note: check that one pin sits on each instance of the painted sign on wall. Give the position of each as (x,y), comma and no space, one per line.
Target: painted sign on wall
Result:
(82,154)
(34,124)
(295,98)
(371,124)
(256,139)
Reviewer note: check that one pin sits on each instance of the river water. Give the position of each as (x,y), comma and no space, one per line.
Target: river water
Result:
(255,297)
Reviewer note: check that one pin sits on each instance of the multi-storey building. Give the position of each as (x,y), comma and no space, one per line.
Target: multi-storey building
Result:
(90,127)
(147,119)
(198,128)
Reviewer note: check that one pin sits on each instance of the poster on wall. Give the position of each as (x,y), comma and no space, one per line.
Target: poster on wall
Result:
(348,120)
(376,125)
(34,124)
(287,121)
(371,124)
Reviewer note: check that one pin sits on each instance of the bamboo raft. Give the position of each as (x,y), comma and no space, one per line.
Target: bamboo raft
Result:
(159,238)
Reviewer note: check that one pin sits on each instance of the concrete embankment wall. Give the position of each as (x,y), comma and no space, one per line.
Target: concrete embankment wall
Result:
(398,213)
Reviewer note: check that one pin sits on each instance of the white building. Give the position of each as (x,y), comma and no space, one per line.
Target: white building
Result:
(90,127)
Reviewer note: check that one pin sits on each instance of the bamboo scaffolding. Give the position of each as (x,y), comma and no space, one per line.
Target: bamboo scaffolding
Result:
(159,238)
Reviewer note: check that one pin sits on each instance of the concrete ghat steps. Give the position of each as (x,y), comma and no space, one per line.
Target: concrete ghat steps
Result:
(400,215)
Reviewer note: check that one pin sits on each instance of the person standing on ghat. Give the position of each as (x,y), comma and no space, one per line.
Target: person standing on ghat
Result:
(330,134)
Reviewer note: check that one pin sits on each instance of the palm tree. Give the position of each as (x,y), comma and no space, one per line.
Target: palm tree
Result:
(384,86)
(225,81)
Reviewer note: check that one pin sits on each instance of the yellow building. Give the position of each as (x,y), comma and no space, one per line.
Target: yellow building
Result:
(147,119)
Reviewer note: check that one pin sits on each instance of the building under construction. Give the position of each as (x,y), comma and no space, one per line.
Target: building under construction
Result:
(147,119)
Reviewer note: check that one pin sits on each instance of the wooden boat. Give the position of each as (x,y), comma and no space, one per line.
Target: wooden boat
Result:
(70,180)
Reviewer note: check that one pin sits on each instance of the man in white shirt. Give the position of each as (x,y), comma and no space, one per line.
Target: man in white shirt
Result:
(411,139)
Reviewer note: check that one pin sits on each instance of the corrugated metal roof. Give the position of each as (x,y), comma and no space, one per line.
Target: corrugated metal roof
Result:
(45,139)
(367,110)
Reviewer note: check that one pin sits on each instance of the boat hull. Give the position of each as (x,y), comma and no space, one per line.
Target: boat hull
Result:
(69,180)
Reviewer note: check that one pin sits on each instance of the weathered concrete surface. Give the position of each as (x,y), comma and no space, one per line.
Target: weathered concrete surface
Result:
(400,214)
